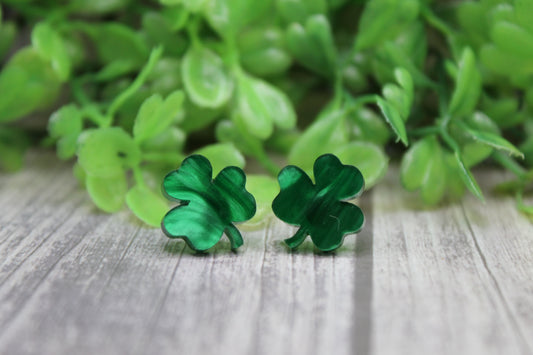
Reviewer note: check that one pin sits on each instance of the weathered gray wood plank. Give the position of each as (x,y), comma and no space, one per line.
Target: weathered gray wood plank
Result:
(73,280)
(435,291)
(504,240)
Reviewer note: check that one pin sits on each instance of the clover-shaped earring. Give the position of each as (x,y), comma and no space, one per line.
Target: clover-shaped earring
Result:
(208,207)
(319,208)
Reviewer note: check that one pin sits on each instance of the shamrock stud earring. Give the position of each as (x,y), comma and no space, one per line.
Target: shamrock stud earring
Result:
(208,207)
(318,209)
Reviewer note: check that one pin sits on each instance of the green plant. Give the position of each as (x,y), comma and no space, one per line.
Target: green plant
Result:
(444,85)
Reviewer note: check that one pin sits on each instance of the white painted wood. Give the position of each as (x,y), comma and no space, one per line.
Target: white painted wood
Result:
(76,281)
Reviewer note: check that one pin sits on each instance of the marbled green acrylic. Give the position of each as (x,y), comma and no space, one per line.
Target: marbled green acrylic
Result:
(208,207)
(319,209)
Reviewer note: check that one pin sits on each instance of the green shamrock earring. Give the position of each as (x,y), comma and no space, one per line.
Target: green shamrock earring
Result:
(208,207)
(318,209)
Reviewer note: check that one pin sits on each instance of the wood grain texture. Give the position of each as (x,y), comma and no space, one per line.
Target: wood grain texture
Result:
(458,279)
(453,280)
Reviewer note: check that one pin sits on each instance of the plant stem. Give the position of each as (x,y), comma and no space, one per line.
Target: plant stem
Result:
(265,161)
(338,91)
(360,100)
(137,175)
(510,164)
(521,205)
(231,56)
(192,29)
(137,83)
(449,141)
(436,22)
(79,94)
(92,112)
(173,158)
(425,131)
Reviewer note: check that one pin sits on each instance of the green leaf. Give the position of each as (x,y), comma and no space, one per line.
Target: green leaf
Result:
(50,46)
(88,7)
(205,78)
(503,111)
(13,145)
(325,135)
(67,120)
(513,39)
(406,82)
(393,118)
(147,205)
(8,32)
(481,122)
(498,11)
(467,87)
(171,140)
(397,97)
(79,174)
(108,193)
(230,17)
(264,189)
(115,41)
(266,62)
(494,141)
(474,153)
(156,115)
(191,5)
(261,106)
(369,126)
(299,10)
(353,78)
(66,147)
(423,168)
(522,207)
(455,188)
(467,177)
(527,148)
(523,10)
(106,152)
(11,158)
(383,19)
(501,62)
(473,19)
(146,117)
(313,45)
(197,118)
(391,55)
(369,158)
(222,155)
(229,132)
(115,69)
(165,77)
(262,51)
(27,83)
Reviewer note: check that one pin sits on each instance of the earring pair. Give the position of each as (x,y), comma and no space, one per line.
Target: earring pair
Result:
(209,207)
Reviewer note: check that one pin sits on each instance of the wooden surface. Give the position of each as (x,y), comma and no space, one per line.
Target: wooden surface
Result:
(453,280)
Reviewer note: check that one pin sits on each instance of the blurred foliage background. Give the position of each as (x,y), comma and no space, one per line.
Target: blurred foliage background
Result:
(128,88)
